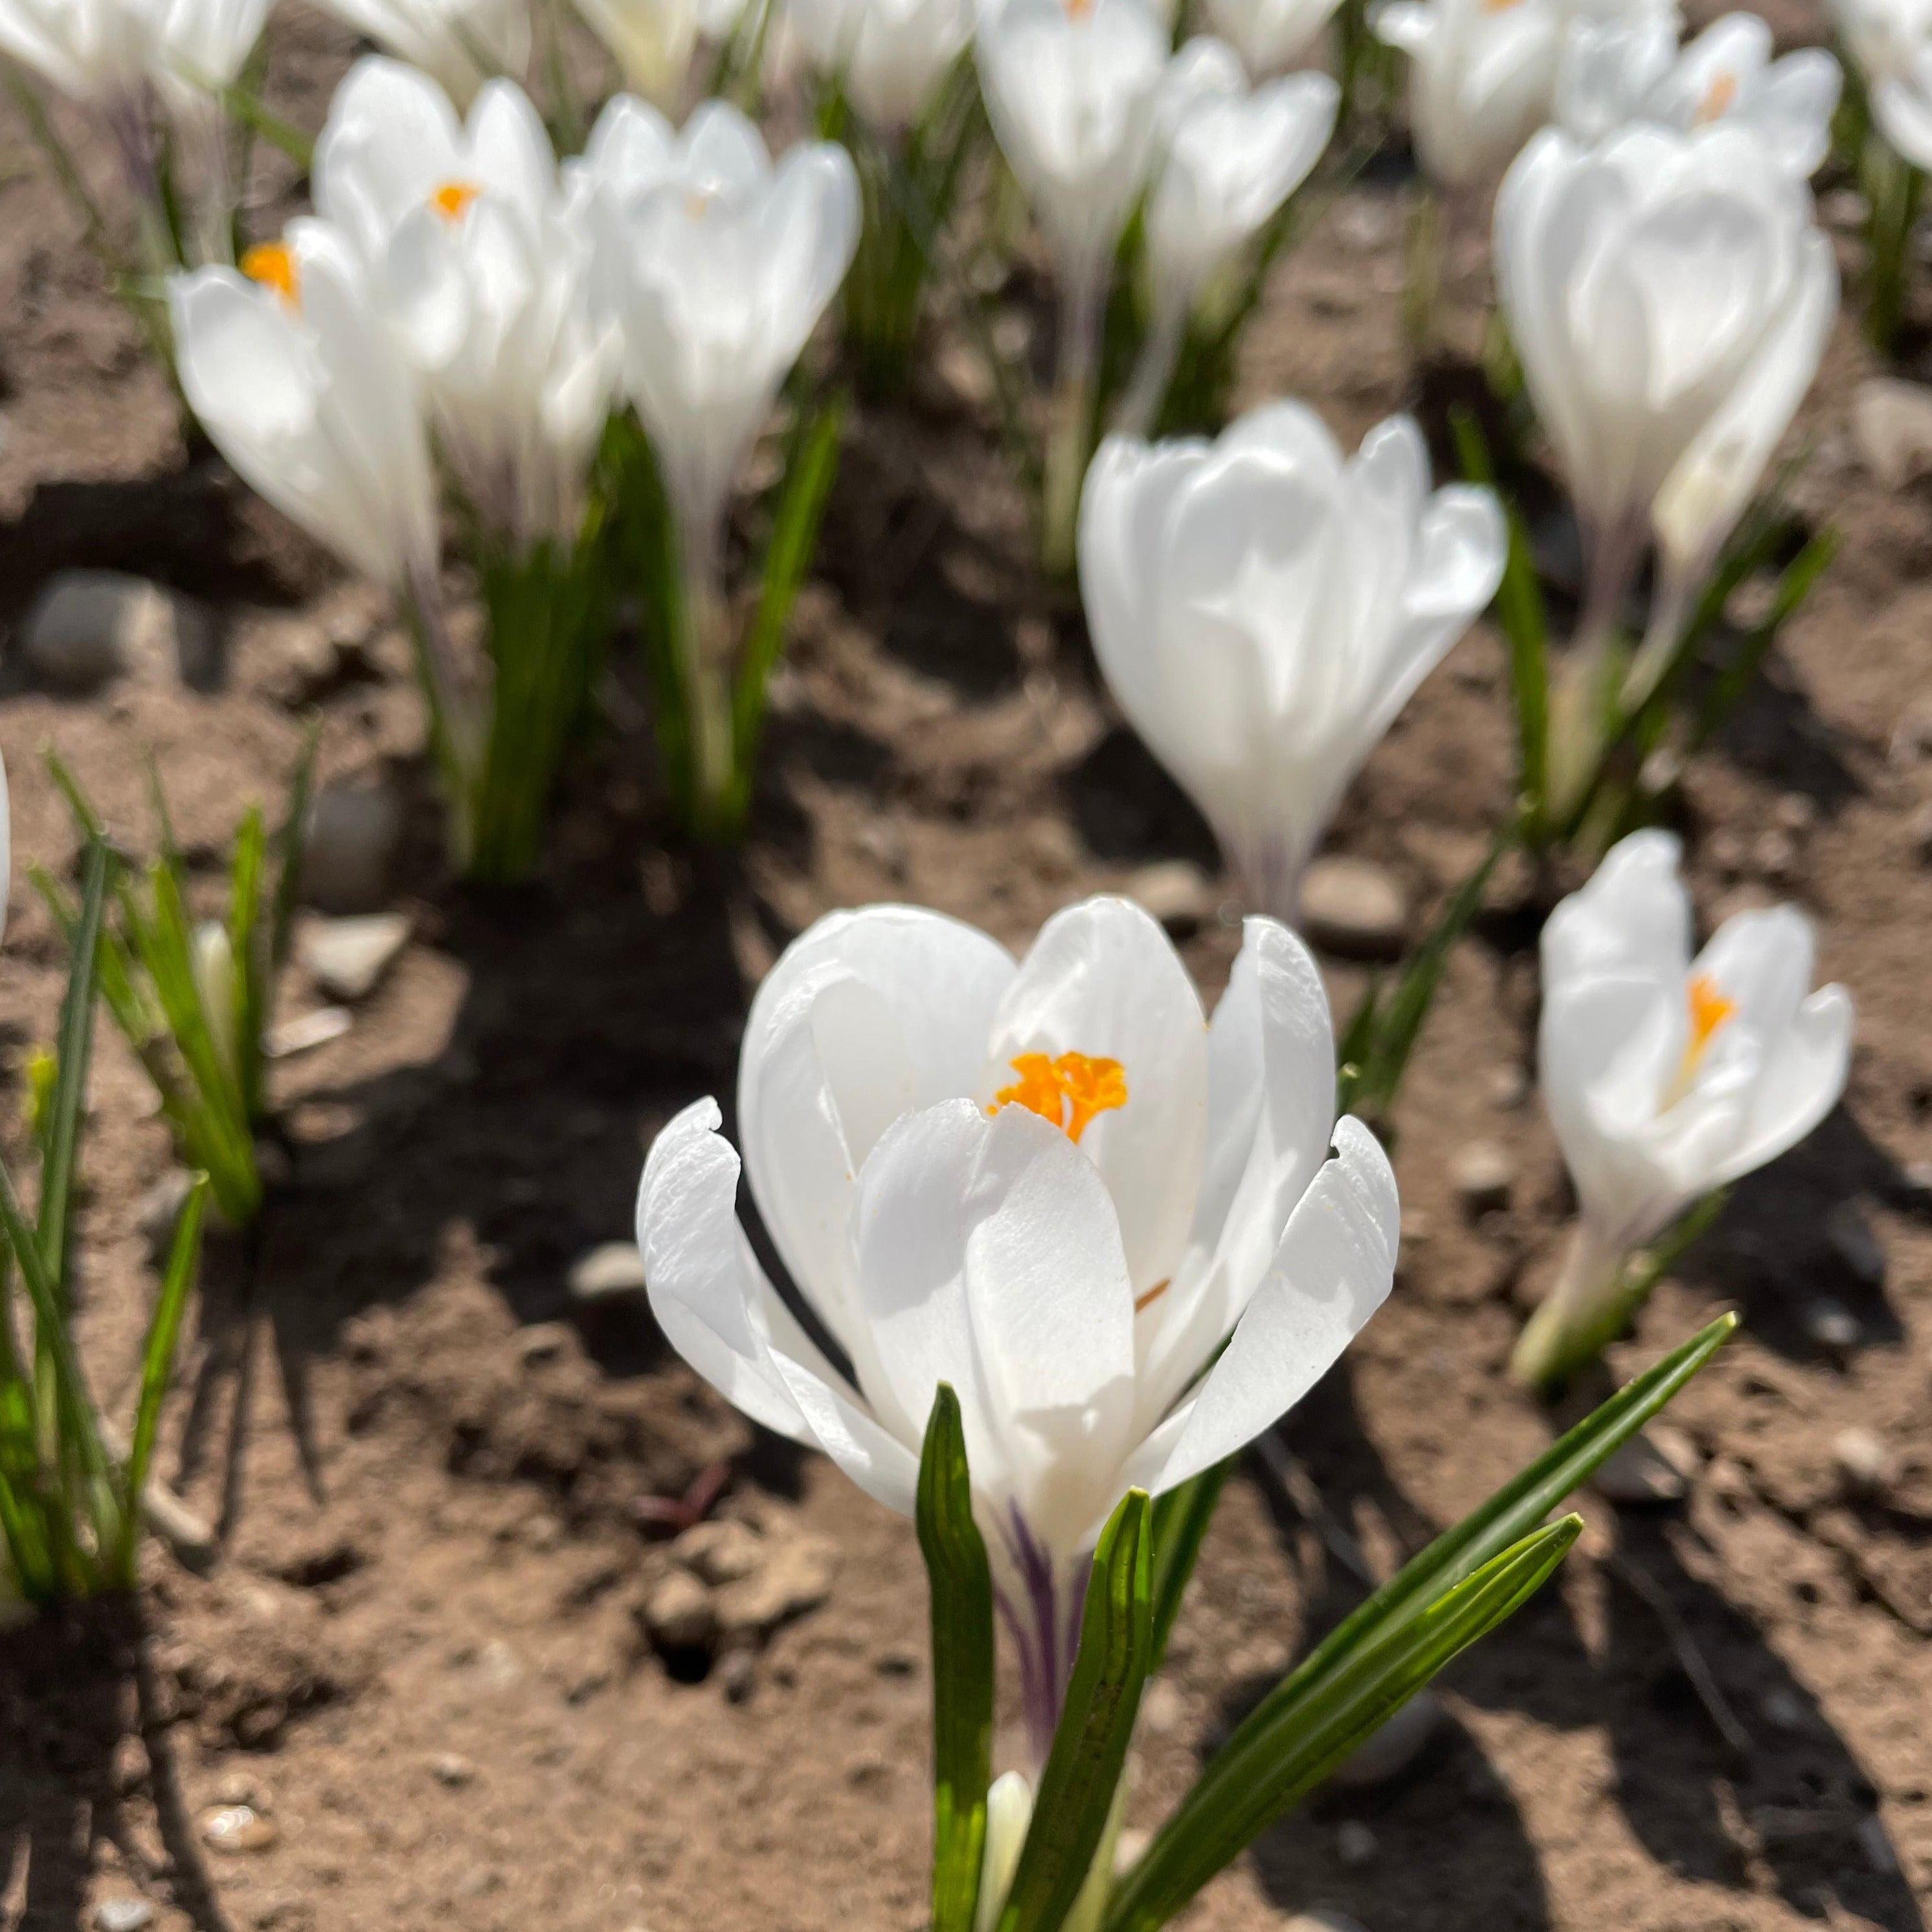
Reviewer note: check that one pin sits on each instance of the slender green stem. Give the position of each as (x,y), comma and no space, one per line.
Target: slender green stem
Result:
(1070,435)
(704,656)
(1894,187)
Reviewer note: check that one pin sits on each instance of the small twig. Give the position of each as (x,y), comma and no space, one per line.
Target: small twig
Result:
(1717,1707)
(1291,1478)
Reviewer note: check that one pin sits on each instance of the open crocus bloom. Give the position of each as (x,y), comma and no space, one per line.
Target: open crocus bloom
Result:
(1669,295)
(1050,1184)
(712,267)
(1667,1077)
(461,44)
(1890,43)
(1070,90)
(1270,35)
(484,269)
(1481,78)
(1261,609)
(888,55)
(1631,69)
(302,385)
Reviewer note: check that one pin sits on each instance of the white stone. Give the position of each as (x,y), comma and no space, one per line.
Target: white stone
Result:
(1354,908)
(610,1272)
(1388,1752)
(306,1031)
(1644,1472)
(122,1915)
(1482,1174)
(1864,1463)
(87,626)
(347,958)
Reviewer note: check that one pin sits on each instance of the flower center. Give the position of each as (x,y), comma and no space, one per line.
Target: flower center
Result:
(1717,98)
(1500,6)
(273,265)
(451,201)
(1068,1091)
(1709,1009)
(698,204)
(1078,10)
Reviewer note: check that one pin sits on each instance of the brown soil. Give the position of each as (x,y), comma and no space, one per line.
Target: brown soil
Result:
(417,1656)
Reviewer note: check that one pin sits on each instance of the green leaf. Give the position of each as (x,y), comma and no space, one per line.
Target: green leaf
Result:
(288,850)
(73,1052)
(157,1356)
(1218,1818)
(1180,1520)
(248,109)
(961,1585)
(1083,1769)
(1269,1765)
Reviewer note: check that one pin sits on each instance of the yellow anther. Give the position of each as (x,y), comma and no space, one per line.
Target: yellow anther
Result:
(1717,98)
(1144,1302)
(1709,1009)
(451,201)
(273,265)
(1068,1091)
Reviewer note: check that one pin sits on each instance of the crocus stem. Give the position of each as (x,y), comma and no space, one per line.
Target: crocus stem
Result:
(1422,274)
(1140,407)
(1579,694)
(456,725)
(1670,605)
(1066,452)
(1580,1315)
(1894,187)
(704,667)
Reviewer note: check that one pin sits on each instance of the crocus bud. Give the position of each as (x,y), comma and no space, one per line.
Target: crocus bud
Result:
(1890,43)
(460,43)
(1009,1813)
(1261,609)
(1270,35)
(888,55)
(654,42)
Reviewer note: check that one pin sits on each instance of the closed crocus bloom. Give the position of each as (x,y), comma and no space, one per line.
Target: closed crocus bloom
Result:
(888,55)
(1230,156)
(714,271)
(484,268)
(1481,76)
(1890,43)
(461,44)
(1261,609)
(1070,90)
(1617,71)
(1270,35)
(1050,1184)
(1667,1076)
(654,42)
(1669,295)
(302,385)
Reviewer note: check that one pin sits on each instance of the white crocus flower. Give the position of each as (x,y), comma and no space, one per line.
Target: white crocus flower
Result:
(1270,35)
(713,267)
(1481,79)
(1072,88)
(105,51)
(302,385)
(887,56)
(1667,1077)
(1261,610)
(461,44)
(1619,70)
(1669,295)
(1051,1184)
(484,270)
(654,42)
(1230,157)
(1890,43)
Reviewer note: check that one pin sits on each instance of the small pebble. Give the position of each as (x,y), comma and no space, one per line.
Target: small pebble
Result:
(1642,1474)
(1322,1920)
(1482,1175)
(1796,811)
(1355,1843)
(1864,1463)
(1833,1327)
(87,626)
(678,1614)
(1854,1242)
(237,1828)
(1354,908)
(1128,1848)
(306,1031)
(1389,1751)
(1784,1710)
(613,1271)
(1054,851)
(740,1673)
(1176,893)
(1877,1845)
(543,1342)
(719,1552)
(347,958)
(1163,1709)
(448,1768)
(1892,429)
(795,1577)
(1509,1086)
(122,1915)
(1775,854)
(349,846)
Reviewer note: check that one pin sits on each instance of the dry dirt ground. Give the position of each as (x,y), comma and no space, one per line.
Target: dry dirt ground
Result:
(417,1657)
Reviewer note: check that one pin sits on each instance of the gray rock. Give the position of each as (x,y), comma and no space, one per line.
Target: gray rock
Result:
(795,1577)
(347,958)
(1482,1174)
(1355,1844)
(349,847)
(160,1208)
(1354,908)
(1388,1752)
(720,1552)
(1176,893)
(1833,1327)
(88,626)
(1864,1462)
(1892,429)
(122,1915)
(1649,1471)
(678,1613)
(1855,1244)
(613,1271)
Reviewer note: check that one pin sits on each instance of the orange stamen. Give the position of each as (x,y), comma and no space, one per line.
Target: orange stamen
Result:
(1717,98)
(273,265)
(1709,1009)
(1068,1091)
(451,201)
(1144,1302)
